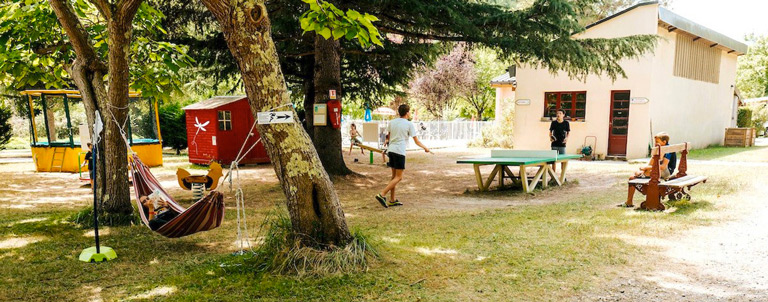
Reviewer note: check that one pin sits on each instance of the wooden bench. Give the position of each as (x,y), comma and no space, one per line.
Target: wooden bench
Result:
(676,187)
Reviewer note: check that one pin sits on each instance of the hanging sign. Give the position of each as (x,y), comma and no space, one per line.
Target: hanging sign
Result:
(275,117)
(320,115)
(523,102)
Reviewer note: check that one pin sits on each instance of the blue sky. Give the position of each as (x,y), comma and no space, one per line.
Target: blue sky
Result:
(734,18)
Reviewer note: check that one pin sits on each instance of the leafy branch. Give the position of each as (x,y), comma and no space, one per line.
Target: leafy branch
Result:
(328,21)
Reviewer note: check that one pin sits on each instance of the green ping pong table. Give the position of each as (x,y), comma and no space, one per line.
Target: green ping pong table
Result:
(524,159)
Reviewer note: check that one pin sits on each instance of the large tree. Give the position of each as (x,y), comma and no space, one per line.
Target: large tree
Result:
(313,205)
(62,43)
(752,72)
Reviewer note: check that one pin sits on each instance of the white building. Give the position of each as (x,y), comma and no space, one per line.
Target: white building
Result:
(684,87)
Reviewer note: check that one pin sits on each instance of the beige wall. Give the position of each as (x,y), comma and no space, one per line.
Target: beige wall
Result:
(531,132)
(689,110)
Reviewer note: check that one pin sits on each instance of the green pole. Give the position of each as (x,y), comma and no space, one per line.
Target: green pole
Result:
(69,122)
(45,118)
(371,157)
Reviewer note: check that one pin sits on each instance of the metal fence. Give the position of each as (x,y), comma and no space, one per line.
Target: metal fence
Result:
(433,133)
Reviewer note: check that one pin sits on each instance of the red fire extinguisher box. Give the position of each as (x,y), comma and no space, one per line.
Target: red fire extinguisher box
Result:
(334,113)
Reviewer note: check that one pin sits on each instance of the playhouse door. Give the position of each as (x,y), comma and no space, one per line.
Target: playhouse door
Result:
(619,123)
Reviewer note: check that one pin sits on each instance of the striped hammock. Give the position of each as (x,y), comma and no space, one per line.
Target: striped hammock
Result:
(206,214)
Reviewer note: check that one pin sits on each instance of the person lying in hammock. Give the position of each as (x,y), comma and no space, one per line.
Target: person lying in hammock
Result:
(157,216)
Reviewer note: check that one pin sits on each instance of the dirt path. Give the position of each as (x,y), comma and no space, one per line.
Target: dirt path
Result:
(722,262)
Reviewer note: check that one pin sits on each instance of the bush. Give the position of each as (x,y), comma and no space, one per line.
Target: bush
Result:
(5,126)
(173,124)
(744,118)
(500,133)
(759,118)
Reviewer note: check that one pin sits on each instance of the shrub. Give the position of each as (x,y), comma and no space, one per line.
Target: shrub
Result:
(173,124)
(744,118)
(499,134)
(5,126)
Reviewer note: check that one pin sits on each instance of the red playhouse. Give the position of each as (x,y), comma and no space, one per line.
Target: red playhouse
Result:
(218,127)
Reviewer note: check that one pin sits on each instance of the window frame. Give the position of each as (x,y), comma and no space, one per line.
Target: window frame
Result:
(570,113)
(226,120)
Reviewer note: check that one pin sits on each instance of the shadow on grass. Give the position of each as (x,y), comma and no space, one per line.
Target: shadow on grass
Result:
(516,189)
(686,207)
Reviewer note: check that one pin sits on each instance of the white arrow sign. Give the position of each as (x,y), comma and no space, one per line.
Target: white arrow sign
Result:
(275,117)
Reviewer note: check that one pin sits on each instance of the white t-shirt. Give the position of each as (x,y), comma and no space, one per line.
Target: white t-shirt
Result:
(400,130)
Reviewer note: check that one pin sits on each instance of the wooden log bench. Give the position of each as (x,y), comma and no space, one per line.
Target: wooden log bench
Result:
(676,187)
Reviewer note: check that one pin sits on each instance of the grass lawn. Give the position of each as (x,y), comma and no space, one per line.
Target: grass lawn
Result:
(750,154)
(445,245)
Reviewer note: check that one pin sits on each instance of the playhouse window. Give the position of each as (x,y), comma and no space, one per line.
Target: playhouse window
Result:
(225,120)
(573,102)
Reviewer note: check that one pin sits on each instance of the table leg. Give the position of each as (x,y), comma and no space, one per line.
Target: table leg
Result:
(544,182)
(491,177)
(553,175)
(501,178)
(563,166)
(524,178)
(478,177)
(536,178)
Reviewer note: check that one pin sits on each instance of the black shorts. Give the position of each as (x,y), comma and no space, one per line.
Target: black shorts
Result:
(396,161)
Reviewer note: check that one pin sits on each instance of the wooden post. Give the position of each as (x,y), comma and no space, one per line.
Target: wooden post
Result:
(682,168)
(652,198)
(524,178)
(479,177)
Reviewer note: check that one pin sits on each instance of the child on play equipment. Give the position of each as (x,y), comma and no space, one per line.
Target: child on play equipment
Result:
(88,161)
(160,214)
(354,138)
(666,167)
(400,129)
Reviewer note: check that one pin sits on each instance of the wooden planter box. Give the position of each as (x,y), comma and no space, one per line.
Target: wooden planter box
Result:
(739,137)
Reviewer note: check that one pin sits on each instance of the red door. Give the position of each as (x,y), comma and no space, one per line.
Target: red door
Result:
(619,123)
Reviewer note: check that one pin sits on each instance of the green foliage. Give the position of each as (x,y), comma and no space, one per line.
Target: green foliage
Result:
(328,21)
(284,252)
(500,133)
(752,72)
(760,118)
(35,51)
(173,126)
(5,126)
(744,117)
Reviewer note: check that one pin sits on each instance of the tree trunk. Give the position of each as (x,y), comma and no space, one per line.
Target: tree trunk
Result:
(327,140)
(88,73)
(308,62)
(117,199)
(313,205)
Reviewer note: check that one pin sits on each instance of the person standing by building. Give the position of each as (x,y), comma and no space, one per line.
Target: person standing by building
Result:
(400,130)
(558,132)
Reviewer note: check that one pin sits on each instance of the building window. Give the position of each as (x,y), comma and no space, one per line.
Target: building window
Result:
(225,120)
(696,60)
(573,102)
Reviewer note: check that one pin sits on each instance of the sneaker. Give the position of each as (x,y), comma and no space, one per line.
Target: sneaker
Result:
(624,205)
(395,203)
(382,200)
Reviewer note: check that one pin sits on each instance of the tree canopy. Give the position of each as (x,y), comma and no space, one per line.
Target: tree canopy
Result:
(752,72)
(35,52)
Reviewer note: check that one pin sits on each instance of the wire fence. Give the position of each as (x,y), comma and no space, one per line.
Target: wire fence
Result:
(432,133)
